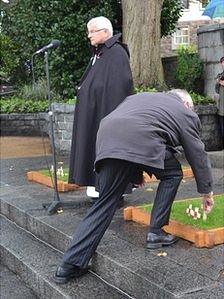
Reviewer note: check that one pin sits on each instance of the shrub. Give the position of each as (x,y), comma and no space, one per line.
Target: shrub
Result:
(9,59)
(197,98)
(19,105)
(139,89)
(33,92)
(170,14)
(189,67)
(201,100)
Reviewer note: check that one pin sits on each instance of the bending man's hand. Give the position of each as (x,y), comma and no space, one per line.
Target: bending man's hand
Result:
(208,202)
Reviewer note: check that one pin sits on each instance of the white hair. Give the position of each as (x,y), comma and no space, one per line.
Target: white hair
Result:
(184,95)
(102,23)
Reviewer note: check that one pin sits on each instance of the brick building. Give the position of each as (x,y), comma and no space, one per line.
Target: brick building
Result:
(188,24)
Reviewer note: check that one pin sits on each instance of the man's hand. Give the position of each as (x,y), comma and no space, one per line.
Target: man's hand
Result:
(208,202)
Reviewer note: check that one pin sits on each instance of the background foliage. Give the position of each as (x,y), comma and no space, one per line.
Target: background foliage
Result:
(33,24)
(9,58)
(171,12)
(28,25)
(189,68)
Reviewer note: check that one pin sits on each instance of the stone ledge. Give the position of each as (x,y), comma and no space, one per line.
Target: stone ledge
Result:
(210,28)
(206,109)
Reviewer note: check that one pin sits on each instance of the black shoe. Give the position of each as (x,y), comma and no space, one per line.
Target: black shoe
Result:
(64,274)
(158,240)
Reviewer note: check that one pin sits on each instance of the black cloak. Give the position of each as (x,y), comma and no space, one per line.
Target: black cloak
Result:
(106,82)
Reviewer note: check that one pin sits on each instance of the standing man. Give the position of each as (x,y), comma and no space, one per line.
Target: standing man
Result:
(219,87)
(106,82)
(140,135)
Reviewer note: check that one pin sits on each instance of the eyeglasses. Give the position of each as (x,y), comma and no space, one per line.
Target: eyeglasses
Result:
(94,31)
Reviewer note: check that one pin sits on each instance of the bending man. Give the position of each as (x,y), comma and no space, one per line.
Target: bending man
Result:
(141,134)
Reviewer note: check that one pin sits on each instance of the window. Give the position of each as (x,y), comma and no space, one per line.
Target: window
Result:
(180,37)
(185,4)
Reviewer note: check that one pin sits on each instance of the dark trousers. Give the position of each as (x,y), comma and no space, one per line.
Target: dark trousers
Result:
(114,175)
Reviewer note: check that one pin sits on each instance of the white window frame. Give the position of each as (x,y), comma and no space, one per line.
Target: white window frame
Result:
(179,34)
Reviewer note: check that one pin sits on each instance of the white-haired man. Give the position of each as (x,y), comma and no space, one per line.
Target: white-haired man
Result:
(106,82)
(141,134)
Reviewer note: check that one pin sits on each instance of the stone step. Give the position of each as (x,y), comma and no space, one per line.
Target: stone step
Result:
(12,287)
(131,268)
(35,263)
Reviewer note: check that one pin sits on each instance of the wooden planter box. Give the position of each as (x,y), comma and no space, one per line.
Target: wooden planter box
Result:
(200,237)
(187,173)
(40,178)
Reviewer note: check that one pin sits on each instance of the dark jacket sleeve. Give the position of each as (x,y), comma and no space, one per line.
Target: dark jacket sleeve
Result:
(196,155)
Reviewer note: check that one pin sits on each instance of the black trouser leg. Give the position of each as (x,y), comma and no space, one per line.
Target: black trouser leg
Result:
(114,176)
(170,178)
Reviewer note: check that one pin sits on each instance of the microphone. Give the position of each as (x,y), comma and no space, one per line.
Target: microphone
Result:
(53,44)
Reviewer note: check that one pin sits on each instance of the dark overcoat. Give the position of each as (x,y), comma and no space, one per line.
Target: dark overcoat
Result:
(106,82)
(142,127)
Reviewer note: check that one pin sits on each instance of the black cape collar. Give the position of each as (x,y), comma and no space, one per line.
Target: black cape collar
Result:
(114,39)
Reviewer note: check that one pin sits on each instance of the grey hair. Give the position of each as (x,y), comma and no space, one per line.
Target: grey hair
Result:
(101,23)
(184,95)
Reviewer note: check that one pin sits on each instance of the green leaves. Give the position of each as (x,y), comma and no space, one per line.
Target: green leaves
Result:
(33,24)
(201,100)
(20,105)
(171,12)
(17,105)
(189,68)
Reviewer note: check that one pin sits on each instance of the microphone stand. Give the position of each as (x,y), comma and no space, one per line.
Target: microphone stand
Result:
(56,203)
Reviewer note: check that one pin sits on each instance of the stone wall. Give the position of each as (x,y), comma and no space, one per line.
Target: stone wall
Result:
(63,116)
(210,134)
(211,49)
(33,124)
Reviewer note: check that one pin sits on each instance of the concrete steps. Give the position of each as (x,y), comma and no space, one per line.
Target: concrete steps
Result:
(35,262)
(12,287)
(138,273)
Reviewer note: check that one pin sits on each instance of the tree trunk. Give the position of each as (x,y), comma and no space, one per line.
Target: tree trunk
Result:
(141,31)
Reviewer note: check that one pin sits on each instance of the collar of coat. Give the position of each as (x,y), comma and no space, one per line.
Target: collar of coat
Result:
(109,43)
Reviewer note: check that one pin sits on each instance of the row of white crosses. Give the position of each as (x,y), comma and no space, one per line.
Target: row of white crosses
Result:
(195,213)
(60,171)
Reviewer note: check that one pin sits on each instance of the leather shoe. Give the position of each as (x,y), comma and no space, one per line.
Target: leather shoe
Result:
(65,274)
(158,240)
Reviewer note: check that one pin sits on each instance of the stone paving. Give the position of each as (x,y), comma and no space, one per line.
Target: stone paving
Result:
(186,271)
(12,287)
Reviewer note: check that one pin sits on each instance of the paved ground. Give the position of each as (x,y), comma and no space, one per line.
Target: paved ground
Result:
(12,287)
(20,147)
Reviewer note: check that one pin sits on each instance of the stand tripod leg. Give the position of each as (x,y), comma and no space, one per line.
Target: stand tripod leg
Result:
(56,204)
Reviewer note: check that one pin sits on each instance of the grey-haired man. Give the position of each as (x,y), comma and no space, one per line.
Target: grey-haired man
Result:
(141,134)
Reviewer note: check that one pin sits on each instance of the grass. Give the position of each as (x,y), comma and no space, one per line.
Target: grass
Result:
(61,178)
(215,218)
